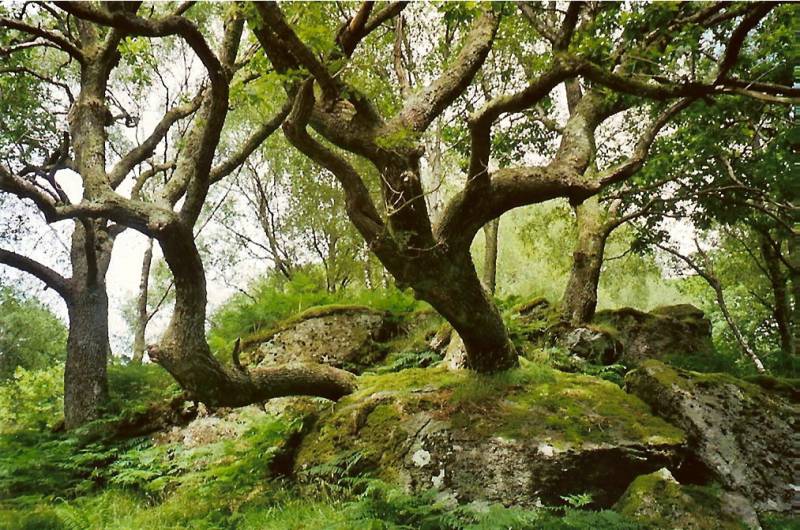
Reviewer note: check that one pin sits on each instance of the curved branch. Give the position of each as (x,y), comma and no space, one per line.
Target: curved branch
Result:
(138,154)
(258,137)
(130,24)
(48,276)
(58,40)
(420,110)
(271,14)
(625,169)
(360,207)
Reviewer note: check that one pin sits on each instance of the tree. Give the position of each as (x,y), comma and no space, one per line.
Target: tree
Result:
(731,175)
(183,350)
(435,260)
(31,336)
(370,140)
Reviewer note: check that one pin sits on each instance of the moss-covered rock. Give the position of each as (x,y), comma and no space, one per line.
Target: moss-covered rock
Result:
(665,331)
(348,337)
(746,437)
(659,501)
(520,437)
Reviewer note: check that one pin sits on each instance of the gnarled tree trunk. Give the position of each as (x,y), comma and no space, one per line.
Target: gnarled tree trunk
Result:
(451,285)
(580,295)
(85,379)
(185,354)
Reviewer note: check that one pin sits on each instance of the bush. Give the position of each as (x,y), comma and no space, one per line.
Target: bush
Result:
(31,336)
(32,399)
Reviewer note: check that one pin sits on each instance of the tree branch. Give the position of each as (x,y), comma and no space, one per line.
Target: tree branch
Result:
(48,276)
(625,169)
(146,148)
(421,109)
(258,137)
(57,39)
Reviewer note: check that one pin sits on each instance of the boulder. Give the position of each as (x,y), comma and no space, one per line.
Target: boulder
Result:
(659,501)
(593,344)
(347,337)
(746,438)
(665,331)
(522,437)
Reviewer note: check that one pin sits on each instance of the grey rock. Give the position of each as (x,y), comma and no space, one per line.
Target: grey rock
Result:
(745,437)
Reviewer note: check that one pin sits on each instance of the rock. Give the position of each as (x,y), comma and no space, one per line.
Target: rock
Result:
(659,501)
(208,428)
(522,437)
(746,438)
(593,344)
(346,337)
(669,330)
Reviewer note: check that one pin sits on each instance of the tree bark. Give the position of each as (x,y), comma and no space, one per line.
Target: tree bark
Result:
(185,354)
(451,285)
(490,232)
(142,317)
(85,379)
(580,295)
(781,310)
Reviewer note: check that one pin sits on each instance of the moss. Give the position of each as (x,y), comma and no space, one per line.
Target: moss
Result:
(533,402)
(786,387)
(668,376)
(661,502)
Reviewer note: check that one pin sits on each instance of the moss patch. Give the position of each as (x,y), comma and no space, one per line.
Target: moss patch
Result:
(659,501)
(531,403)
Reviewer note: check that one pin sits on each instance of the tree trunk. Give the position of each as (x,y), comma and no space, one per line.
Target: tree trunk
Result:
(580,295)
(794,278)
(185,354)
(85,380)
(737,334)
(139,336)
(781,310)
(451,285)
(490,231)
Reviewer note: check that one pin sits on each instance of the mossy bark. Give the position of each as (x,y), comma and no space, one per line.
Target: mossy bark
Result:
(85,378)
(490,232)
(580,295)
(142,316)
(451,285)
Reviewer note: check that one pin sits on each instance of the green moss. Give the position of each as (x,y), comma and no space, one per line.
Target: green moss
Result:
(687,379)
(532,402)
(786,387)
(661,502)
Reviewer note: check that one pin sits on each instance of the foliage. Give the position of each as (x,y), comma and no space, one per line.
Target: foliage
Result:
(31,336)
(32,399)
(274,299)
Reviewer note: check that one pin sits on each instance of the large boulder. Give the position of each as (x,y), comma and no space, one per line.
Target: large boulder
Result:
(522,437)
(347,337)
(659,501)
(663,332)
(747,438)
